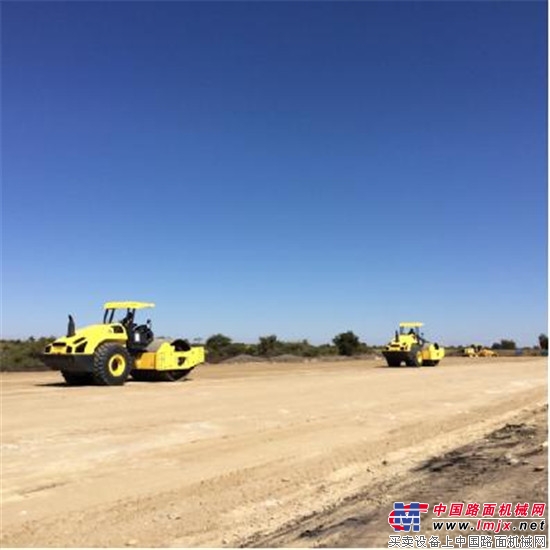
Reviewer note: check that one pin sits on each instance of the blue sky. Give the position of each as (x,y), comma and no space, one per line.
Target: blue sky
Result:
(264,167)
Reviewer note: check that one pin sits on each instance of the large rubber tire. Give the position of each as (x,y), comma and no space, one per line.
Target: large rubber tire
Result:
(112,365)
(415,358)
(393,363)
(77,378)
(430,363)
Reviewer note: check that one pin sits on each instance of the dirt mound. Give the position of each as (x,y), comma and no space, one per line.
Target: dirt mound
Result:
(284,358)
(288,358)
(362,357)
(243,358)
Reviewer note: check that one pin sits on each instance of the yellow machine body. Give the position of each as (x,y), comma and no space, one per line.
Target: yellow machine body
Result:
(108,353)
(87,339)
(478,351)
(167,357)
(410,347)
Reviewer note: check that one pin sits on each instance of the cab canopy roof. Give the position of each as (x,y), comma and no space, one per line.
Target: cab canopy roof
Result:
(127,305)
(412,325)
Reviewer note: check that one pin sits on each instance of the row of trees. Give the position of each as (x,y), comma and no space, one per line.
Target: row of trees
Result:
(511,344)
(220,347)
(25,354)
(504,344)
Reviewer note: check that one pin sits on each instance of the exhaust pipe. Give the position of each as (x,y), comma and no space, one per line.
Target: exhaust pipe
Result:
(71,330)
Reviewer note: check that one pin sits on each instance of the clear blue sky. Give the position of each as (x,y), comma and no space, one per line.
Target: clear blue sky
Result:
(291,168)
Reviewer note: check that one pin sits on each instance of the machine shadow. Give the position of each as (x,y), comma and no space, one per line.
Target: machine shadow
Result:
(129,382)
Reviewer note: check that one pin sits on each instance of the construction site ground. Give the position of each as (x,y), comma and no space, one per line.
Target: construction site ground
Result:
(292,454)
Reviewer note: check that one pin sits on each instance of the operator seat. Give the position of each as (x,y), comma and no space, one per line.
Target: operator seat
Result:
(140,336)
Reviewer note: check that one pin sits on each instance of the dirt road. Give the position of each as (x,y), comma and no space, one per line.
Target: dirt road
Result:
(238,451)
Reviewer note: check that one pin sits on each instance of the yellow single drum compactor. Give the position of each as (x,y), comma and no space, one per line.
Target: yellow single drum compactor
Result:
(107,353)
(476,350)
(410,347)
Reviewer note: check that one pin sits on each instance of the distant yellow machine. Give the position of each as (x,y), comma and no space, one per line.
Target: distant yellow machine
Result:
(106,354)
(478,351)
(410,347)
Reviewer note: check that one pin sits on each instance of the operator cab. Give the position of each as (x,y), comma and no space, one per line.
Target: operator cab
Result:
(412,329)
(139,336)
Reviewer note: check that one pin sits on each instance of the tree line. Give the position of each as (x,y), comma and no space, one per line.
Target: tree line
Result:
(511,344)
(220,347)
(25,354)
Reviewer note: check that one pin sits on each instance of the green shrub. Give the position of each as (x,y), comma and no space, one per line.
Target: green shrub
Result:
(348,344)
(20,355)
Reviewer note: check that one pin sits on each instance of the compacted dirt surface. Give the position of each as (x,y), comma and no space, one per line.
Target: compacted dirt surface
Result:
(298,454)
(508,465)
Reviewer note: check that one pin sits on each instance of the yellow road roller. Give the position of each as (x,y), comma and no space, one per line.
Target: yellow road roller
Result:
(108,353)
(477,350)
(410,347)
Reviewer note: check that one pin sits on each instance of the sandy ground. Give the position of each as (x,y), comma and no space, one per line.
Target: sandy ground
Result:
(256,454)
(507,465)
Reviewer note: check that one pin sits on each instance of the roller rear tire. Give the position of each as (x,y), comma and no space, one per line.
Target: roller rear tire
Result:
(415,358)
(112,365)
